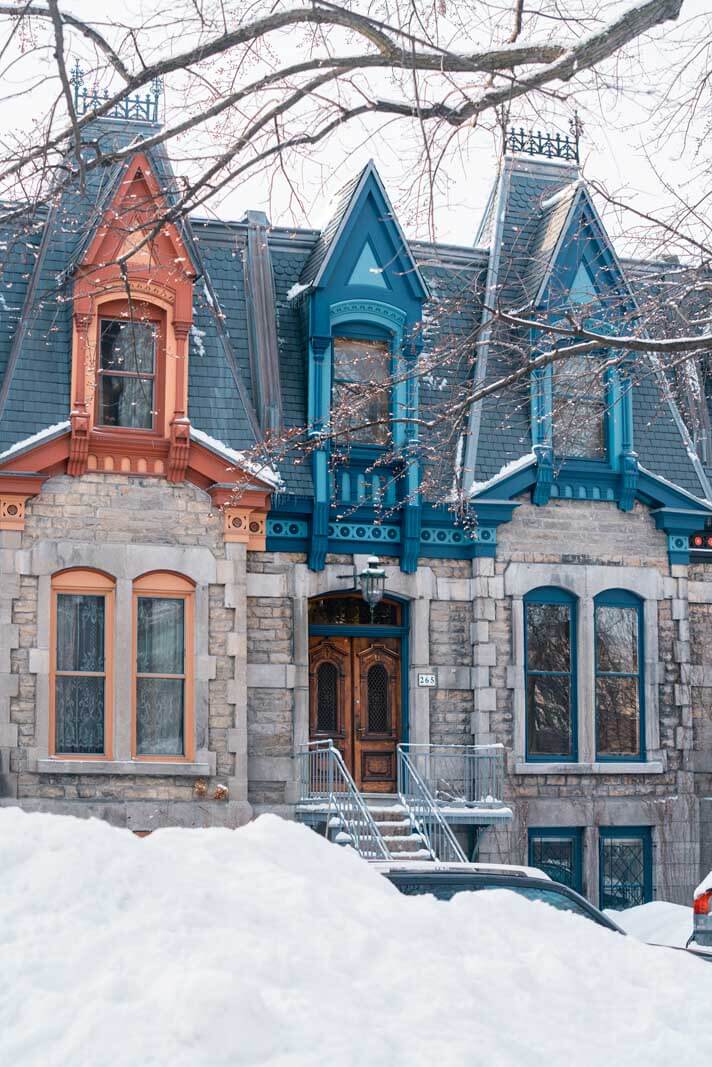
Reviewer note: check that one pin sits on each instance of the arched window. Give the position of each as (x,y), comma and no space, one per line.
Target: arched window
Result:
(163,667)
(81,658)
(327,698)
(619,675)
(131,343)
(361,392)
(550,659)
(378,689)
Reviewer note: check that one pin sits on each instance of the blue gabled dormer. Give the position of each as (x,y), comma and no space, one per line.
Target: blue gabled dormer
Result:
(364,296)
(582,416)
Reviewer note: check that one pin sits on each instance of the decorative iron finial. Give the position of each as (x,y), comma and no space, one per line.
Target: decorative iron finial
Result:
(138,108)
(551,146)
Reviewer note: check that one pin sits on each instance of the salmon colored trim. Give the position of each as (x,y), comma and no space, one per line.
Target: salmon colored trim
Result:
(168,584)
(84,582)
(160,274)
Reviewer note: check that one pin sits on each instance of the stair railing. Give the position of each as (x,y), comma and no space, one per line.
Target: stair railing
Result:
(324,776)
(415,795)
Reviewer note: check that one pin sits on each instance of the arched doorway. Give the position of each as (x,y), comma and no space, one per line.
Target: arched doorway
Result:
(357,685)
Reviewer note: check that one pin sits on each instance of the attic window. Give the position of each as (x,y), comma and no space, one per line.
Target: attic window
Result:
(361,394)
(579,408)
(127,372)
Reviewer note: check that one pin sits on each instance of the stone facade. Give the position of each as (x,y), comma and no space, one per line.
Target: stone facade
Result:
(465,627)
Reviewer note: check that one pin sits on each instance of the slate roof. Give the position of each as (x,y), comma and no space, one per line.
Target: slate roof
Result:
(523,223)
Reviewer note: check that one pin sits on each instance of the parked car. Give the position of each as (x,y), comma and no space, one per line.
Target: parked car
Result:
(445,880)
(702,916)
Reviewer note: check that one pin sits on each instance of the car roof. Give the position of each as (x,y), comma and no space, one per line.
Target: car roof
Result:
(435,867)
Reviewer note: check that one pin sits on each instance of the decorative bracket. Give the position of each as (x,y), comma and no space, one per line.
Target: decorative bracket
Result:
(629,481)
(179,449)
(541,493)
(78,443)
(245,526)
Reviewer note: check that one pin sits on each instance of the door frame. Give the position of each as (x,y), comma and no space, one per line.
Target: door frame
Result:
(371,630)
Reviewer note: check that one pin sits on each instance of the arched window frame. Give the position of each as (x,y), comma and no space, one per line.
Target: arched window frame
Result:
(81,581)
(622,598)
(167,585)
(541,596)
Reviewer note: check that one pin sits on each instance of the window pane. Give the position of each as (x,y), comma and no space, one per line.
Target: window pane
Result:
(556,857)
(79,715)
(622,872)
(578,407)
(126,401)
(338,611)
(159,716)
(617,639)
(548,716)
(360,394)
(548,637)
(617,716)
(160,638)
(128,346)
(80,633)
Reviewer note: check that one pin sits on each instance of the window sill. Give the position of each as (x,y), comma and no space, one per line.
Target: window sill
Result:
(653,767)
(52,765)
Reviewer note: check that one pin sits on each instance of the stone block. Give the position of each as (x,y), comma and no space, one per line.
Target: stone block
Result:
(484,655)
(266,585)
(271,675)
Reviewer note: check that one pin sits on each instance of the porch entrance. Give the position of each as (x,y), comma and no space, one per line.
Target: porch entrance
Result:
(356,685)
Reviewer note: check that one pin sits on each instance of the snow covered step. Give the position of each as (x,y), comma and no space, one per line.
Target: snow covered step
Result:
(395,829)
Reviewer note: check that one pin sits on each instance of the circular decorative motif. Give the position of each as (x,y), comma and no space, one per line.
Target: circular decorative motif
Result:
(277,528)
(392,535)
(293,528)
(360,531)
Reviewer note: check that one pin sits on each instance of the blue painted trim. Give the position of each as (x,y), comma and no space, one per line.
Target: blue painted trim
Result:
(554,595)
(644,834)
(622,598)
(402,632)
(574,834)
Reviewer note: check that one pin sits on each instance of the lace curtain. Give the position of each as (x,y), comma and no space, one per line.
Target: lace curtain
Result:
(160,679)
(80,679)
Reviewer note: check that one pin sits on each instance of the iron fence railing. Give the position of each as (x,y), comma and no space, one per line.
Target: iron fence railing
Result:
(425,813)
(324,778)
(461,775)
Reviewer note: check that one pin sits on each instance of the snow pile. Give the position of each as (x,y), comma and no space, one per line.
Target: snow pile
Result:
(658,923)
(269,946)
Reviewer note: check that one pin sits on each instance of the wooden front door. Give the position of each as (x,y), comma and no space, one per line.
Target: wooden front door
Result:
(355,699)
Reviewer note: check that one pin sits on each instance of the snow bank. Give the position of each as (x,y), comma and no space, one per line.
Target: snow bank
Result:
(658,923)
(269,946)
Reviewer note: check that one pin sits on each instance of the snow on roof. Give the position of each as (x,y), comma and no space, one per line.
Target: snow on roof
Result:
(263,471)
(213,947)
(504,472)
(36,439)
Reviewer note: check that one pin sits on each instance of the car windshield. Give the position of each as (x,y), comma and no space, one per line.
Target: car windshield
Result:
(445,890)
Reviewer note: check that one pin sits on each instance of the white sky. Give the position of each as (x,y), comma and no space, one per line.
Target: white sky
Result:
(621,143)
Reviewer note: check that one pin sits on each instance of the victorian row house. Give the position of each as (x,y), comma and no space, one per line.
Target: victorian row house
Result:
(183,607)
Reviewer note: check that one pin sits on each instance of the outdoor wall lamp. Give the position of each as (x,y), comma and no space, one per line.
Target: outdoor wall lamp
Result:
(372,582)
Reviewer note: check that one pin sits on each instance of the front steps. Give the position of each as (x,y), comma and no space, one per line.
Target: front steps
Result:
(396,829)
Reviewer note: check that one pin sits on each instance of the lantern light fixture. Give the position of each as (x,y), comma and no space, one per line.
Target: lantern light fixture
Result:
(372,582)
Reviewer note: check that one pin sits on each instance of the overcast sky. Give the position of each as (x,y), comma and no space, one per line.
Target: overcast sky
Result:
(621,142)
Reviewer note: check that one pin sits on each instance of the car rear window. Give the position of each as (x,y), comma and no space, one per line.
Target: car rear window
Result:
(445,890)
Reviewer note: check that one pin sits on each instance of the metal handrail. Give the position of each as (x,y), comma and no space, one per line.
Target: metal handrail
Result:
(324,776)
(425,814)
(461,775)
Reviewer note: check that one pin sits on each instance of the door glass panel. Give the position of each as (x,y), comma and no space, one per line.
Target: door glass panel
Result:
(327,689)
(622,872)
(342,611)
(378,710)
(555,856)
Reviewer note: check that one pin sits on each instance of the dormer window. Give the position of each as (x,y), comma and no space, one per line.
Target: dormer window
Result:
(361,395)
(127,374)
(579,408)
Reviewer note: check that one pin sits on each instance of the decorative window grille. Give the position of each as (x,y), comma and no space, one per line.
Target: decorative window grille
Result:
(80,675)
(625,867)
(558,852)
(327,698)
(379,718)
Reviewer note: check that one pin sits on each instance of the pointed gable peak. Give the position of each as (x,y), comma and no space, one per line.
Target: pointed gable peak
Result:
(349,201)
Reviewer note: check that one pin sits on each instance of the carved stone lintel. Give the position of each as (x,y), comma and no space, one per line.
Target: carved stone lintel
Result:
(79,443)
(179,449)
(247,526)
